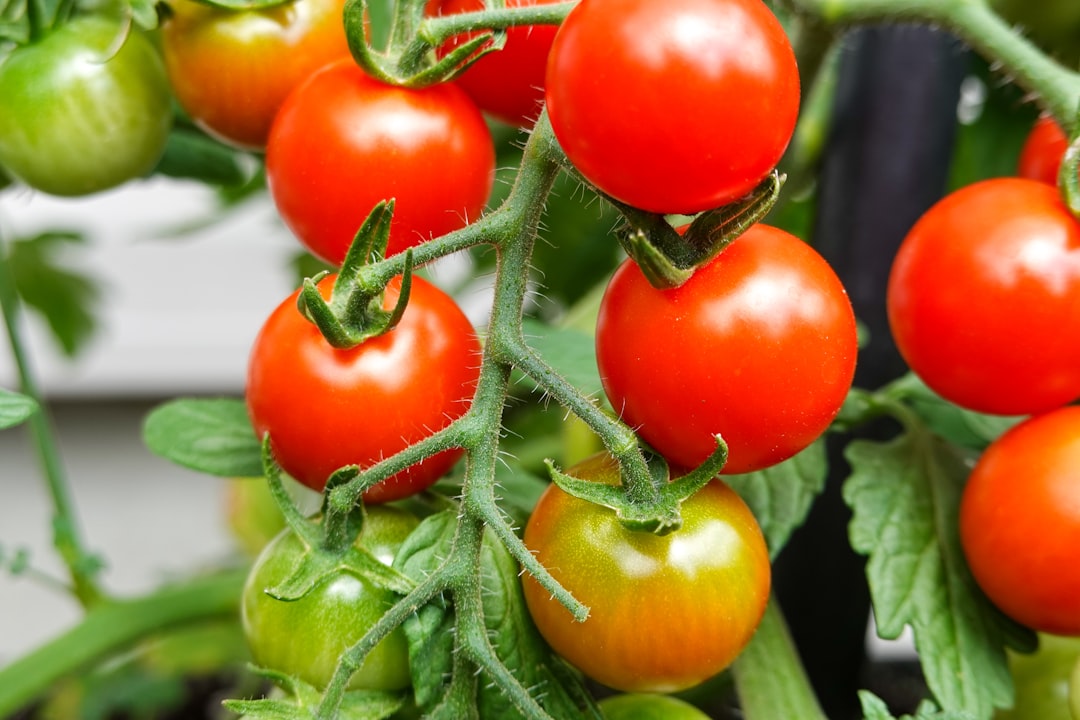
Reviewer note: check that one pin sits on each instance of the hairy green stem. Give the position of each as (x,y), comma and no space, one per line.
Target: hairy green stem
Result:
(82,565)
(769,677)
(113,626)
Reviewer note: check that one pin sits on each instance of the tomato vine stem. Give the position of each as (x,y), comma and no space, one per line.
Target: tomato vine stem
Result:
(83,566)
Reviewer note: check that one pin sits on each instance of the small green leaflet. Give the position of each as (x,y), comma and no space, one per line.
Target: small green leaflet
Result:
(15,408)
(65,298)
(781,496)
(905,496)
(875,709)
(957,425)
(304,701)
(210,435)
(191,154)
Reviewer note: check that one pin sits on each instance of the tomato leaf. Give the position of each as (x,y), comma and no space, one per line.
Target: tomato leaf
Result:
(571,353)
(15,408)
(905,496)
(953,423)
(781,496)
(210,435)
(875,709)
(191,154)
(65,298)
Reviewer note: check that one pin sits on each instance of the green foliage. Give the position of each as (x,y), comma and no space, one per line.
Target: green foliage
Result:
(955,424)
(905,497)
(509,628)
(781,496)
(66,298)
(15,408)
(190,154)
(874,709)
(210,435)
(300,701)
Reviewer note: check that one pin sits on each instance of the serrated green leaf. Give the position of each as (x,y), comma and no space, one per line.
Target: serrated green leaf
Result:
(15,408)
(571,353)
(210,435)
(191,154)
(874,708)
(65,298)
(953,423)
(905,496)
(781,496)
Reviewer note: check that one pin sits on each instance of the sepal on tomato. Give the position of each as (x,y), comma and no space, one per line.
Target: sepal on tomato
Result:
(668,257)
(355,311)
(659,517)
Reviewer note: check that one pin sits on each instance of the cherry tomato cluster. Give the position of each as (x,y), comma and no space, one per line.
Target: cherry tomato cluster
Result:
(981,297)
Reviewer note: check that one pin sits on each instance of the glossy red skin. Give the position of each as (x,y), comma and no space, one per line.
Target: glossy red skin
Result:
(232,70)
(326,408)
(343,142)
(507,84)
(673,107)
(1040,158)
(984,298)
(759,346)
(665,612)
(1020,522)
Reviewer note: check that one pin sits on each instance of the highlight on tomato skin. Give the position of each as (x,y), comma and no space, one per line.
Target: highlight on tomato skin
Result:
(759,346)
(1020,522)
(343,142)
(326,408)
(666,612)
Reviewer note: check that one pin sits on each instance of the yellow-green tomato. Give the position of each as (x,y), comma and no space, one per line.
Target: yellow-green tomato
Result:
(84,109)
(666,612)
(647,706)
(306,637)
(1042,680)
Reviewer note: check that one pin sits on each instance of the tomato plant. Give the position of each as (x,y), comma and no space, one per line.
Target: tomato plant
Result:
(758,346)
(343,142)
(232,69)
(1040,158)
(1020,522)
(979,293)
(645,706)
(325,408)
(305,637)
(667,612)
(1042,680)
(645,98)
(508,84)
(85,108)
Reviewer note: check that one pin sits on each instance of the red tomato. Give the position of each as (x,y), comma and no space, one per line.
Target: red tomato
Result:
(326,408)
(665,612)
(758,346)
(232,69)
(984,297)
(1040,158)
(343,142)
(508,84)
(673,107)
(1020,522)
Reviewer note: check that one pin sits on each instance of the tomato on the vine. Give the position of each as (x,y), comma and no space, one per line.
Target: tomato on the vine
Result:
(666,612)
(509,83)
(325,408)
(306,637)
(1041,680)
(85,108)
(759,345)
(1045,146)
(232,69)
(343,142)
(984,293)
(673,107)
(1020,522)
(648,706)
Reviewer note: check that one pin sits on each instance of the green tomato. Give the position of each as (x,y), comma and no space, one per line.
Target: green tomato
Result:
(85,109)
(1074,690)
(1042,680)
(306,637)
(647,706)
